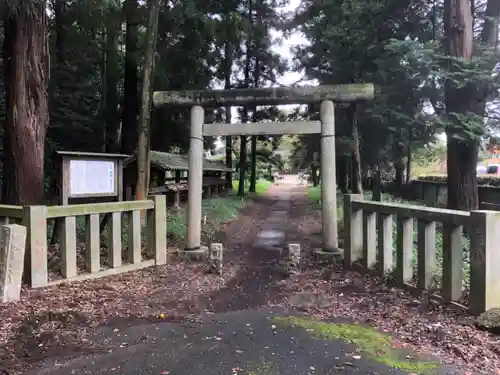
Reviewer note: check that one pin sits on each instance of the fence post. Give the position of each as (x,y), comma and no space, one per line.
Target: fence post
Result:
(12,251)
(35,261)
(484,261)
(157,229)
(353,230)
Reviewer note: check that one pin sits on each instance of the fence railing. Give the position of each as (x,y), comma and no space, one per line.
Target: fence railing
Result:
(434,249)
(10,214)
(122,232)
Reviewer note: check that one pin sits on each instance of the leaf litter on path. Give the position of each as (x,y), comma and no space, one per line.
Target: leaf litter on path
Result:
(421,326)
(61,319)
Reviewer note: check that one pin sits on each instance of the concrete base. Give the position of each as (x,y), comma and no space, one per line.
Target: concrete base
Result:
(324,256)
(200,254)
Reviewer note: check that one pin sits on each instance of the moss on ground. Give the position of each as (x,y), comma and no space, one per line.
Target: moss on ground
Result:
(375,345)
(262,368)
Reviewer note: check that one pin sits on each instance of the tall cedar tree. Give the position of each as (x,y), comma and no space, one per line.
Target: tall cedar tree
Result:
(26,59)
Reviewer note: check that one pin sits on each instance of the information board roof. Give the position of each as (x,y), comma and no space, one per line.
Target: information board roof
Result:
(168,161)
(96,155)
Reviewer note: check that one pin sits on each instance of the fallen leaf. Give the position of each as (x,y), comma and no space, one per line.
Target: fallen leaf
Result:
(72,311)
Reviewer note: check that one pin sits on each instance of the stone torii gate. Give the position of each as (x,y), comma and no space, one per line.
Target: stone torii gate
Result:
(326,95)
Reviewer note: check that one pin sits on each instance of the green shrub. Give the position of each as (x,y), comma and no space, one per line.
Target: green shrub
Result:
(493,181)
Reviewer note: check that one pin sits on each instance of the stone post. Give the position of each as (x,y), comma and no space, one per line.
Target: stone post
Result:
(328,178)
(157,229)
(12,251)
(353,230)
(36,267)
(216,251)
(484,261)
(195,179)
(177,201)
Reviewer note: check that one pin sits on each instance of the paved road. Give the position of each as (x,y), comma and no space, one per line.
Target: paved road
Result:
(242,341)
(217,344)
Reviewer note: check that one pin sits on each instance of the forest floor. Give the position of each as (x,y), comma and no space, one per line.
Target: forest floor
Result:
(253,320)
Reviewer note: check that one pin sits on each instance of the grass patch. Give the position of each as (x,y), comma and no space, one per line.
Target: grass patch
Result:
(217,211)
(314,193)
(262,368)
(374,345)
(261,186)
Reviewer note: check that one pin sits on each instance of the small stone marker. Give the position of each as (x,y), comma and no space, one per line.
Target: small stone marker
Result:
(290,265)
(215,258)
(12,250)
(294,257)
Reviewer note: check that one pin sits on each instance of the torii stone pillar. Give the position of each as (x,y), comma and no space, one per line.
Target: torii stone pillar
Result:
(195,179)
(325,95)
(328,178)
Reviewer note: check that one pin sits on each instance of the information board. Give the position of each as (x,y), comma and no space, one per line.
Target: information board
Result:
(92,177)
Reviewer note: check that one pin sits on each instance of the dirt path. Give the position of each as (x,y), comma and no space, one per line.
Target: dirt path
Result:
(61,321)
(258,281)
(111,325)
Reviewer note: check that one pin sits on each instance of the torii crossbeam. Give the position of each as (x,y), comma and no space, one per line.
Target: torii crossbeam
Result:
(326,95)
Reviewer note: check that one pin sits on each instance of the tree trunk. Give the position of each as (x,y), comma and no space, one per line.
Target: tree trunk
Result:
(462,184)
(409,156)
(55,89)
(60,26)
(143,173)
(342,173)
(399,168)
(376,185)
(131,82)
(253,171)
(463,154)
(243,165)
(489,33)
(399,164)
(253,161)
(104,97)
(228,65)
(111,81)
(357,187)
(26,59)
(462,151)
(229,153)
(243,139)
(314,174)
